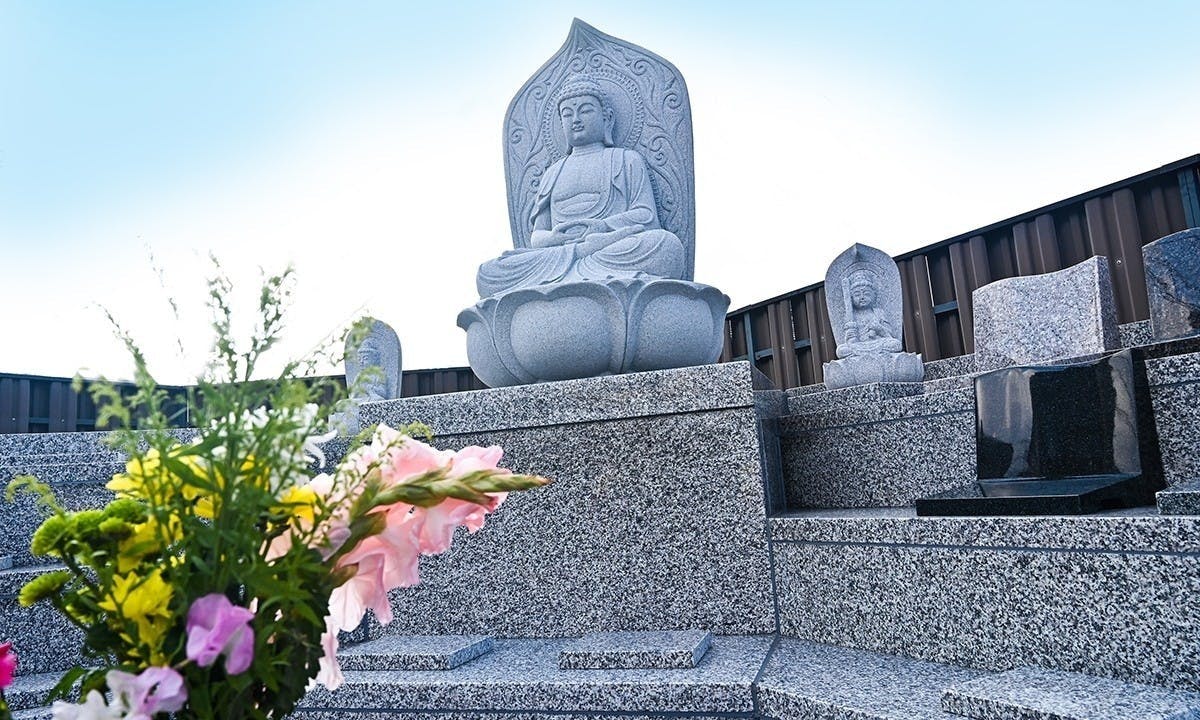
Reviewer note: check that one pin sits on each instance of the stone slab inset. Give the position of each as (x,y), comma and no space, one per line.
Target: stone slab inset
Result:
(1180,499)
(1038,318)
(415,652)
(1173,284)
(651,649)
(6,562)
(1034,693)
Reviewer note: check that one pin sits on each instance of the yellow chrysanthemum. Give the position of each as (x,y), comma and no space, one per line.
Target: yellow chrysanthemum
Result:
(300,502)
(147,538)
(144,601)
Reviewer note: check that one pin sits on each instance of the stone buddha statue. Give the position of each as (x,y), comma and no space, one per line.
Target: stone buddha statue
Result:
(594,217)
(866,303)
(868,330)
(601,208)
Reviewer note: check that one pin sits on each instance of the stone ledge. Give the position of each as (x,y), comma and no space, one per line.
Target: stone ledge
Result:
(1137,530)
(1034,693)
(659,650)
(1180,499)
(646,394)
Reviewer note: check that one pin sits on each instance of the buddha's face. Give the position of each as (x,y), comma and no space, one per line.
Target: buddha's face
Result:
(862,295)
(582,120)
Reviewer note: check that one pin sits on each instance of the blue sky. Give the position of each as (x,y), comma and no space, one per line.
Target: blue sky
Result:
(360,141)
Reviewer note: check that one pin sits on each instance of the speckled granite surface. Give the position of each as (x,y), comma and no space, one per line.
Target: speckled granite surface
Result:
(661,392)
(490,714)
(650,649)
(6,562)
(1175,396)
(1135,333)
(1139,530)
(653,522)
(1033,319)
(1180,499)
(808,680)
(949,367)
(804,402)
(523,675)
(884,454)
(1034,693)
(1132,614)
(30,691)
(415,652)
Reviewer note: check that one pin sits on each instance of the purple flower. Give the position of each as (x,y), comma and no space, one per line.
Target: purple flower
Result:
(215,627)
(154,690)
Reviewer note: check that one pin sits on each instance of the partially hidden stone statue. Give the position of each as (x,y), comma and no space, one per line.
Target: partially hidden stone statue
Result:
(862,292)
(1173,284)
(598,158)
(380,351)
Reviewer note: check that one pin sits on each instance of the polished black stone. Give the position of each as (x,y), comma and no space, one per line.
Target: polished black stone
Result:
(1060,439)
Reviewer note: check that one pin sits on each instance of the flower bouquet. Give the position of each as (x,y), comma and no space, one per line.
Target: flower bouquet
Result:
(216,583)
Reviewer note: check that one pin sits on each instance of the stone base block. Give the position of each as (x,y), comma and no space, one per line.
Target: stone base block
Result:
(1114,595)
(879,455)
(661,650)
(1034,693)
(655,519)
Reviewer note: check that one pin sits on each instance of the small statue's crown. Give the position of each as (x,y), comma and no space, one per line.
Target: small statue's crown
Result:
(860,274)
(581,85)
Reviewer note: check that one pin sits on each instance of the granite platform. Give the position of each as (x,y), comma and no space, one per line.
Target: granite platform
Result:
(1183,498)
(656,519)
(1114,595)
(523,676)
(1034,693)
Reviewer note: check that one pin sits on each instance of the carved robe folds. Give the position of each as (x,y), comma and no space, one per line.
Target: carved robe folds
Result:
(612,186)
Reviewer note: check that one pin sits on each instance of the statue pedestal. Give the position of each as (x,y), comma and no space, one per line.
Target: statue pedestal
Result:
(576,330)
(655,519)
(877,368)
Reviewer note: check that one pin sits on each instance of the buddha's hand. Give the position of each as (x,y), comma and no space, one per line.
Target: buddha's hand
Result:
(851,330)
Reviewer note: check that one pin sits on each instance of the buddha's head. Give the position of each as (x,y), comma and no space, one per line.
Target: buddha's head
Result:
(586,116)
(862,289)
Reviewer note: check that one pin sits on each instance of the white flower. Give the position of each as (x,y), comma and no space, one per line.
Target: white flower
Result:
(93,708)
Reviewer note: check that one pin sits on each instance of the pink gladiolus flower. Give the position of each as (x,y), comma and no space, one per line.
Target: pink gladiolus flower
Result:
(330,673)
(350,601)
(154,690)
(216,627)
(8,665)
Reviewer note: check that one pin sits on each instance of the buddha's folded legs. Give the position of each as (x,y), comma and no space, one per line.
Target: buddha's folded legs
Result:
(653,253)
(524,268)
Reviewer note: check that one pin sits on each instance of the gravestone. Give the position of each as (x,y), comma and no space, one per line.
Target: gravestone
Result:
(1038,318)
(1173,284)
(866,309)
(598,158)
(1058,439)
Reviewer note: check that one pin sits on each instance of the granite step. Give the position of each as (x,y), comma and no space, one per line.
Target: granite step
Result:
(415,652)
(808,681)
(30,691)
(1180,499)
(63,472)
(524,675)
(1034,693)
(22,517)
(44,641)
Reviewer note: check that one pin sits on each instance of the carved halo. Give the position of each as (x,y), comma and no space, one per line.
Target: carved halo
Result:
(622,95)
